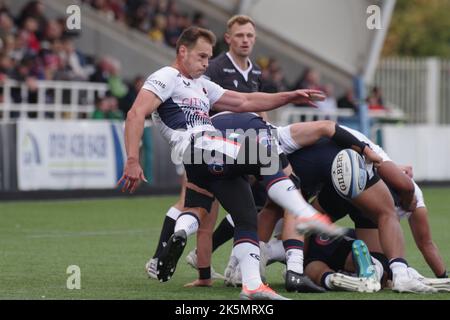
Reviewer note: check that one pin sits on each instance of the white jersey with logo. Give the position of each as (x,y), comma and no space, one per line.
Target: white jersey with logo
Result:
(185,106)
(420,203)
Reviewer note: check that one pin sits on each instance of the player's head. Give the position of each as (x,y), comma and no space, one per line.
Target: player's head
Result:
(194,48)
(241,35)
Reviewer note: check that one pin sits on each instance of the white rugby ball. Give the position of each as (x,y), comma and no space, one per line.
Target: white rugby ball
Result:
(348,174)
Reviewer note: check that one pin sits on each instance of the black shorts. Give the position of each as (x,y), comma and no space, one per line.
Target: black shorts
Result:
(332,253)
(312,165)
(203,171)
(337,207)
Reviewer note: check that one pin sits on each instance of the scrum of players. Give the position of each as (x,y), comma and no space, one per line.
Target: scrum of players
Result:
(356,261)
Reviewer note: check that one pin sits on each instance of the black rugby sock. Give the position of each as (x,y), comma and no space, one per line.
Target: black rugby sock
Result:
(222,234)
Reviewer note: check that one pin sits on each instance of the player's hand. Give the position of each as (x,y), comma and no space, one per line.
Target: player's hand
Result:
(132,175)
(408,170)
(199,283)
(308,96)
(372,156)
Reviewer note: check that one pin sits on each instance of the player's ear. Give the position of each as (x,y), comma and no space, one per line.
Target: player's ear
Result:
(182,51)
(227,38)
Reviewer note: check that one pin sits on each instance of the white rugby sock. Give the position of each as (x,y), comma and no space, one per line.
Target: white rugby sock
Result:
(173,213)
(248,257)
(294,260)
(188,223)
(275,250)
(399,269)
(285,194)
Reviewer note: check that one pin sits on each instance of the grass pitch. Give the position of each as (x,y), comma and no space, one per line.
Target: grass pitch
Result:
(111,239)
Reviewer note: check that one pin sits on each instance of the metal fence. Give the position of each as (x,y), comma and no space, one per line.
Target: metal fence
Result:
(49,99)
(420,87)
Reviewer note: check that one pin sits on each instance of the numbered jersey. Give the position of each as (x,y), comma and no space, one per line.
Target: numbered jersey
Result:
(185,106)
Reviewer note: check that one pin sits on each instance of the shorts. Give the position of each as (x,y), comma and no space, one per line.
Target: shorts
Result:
(337,207)
(331,252)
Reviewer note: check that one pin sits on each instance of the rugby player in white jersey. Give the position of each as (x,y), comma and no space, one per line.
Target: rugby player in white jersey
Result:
(180,101)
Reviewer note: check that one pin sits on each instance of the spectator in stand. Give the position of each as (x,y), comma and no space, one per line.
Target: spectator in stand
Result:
(107,108)
(184,21)
(126,102)
(310,79)
(116,84)
(347,101)
(277,75)
(30,26)
(199,20)
(6,66)
(328,105)
(267,83)
(375,99)
(104,9)
(172,30)
(272,76)
(34,9)
(20,49)
(102,70)
(6,25)
(75,60)
(159,24)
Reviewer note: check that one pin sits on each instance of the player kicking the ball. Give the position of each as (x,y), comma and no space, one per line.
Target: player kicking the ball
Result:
(180,101)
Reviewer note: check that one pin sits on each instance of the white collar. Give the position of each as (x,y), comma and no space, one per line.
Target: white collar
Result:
(243,72)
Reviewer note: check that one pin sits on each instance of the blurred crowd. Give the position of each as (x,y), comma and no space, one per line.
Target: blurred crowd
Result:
(34,47)
(274,80)
(161,20)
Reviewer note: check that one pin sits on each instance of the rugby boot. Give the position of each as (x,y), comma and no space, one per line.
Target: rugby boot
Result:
(170,255)
(296,282)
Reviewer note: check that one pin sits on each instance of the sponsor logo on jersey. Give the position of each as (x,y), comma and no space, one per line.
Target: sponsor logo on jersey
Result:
(186,83)
(256,72)
(158,83)
(229,70)
(204,91)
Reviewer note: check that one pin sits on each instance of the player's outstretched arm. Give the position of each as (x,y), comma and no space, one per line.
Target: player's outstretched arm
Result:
(421,231)
(259,101)
(307,133)
(146,102)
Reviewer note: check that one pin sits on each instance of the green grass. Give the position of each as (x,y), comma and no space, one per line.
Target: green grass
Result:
(110,240)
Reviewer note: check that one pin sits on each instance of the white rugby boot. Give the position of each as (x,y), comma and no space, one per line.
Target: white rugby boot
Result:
(348,283)
(233,276)
(150,268)
(407,283)
(191,260)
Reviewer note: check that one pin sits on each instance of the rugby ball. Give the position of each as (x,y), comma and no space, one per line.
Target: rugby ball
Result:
(348,174)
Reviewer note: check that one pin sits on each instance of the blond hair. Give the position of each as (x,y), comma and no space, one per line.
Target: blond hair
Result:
(240,20)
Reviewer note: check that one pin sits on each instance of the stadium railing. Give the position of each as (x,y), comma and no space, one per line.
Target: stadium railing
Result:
(50,99)
(291,114)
